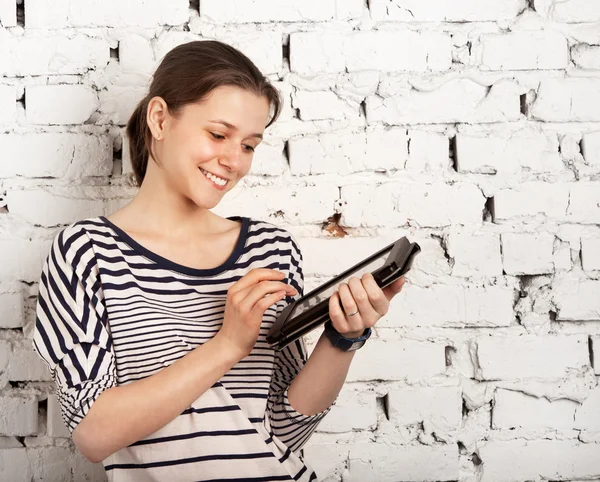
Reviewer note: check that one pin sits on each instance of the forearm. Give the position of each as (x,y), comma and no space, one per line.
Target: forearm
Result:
(125,414)
(318,384)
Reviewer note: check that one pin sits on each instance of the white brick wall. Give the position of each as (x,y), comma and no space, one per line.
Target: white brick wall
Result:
(472,127)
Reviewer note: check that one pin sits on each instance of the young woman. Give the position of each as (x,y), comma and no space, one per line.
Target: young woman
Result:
(153,320)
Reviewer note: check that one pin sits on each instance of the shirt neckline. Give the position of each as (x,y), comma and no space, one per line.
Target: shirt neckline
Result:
(166,263)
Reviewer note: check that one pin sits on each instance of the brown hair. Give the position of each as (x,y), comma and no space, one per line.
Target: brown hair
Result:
(186,75)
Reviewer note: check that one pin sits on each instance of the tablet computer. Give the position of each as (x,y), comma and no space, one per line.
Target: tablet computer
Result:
(312,310)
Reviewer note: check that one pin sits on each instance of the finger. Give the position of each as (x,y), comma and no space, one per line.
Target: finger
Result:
(361,298)
(395,288)
(376,295)
(249,297)
(355,321)
(263,304)
(255,276)
(337,315)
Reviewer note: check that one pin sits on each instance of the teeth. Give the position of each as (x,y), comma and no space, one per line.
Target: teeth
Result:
(213,178)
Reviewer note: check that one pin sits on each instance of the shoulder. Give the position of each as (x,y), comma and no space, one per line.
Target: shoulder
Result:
(264,230)
(73,243)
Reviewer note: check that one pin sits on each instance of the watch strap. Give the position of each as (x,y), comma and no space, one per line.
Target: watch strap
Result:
(343,343)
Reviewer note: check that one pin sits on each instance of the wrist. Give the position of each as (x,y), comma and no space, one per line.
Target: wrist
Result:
(346,341)
(230,351)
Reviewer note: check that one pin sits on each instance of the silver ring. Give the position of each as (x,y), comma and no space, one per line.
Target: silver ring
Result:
(352,314)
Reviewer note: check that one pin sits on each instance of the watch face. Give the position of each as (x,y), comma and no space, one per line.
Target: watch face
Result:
(356,345)
(319,296)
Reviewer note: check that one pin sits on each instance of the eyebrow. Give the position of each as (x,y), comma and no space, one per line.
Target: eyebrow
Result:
(231,126)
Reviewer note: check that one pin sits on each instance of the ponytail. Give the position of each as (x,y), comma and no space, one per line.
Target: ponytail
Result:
(139,134)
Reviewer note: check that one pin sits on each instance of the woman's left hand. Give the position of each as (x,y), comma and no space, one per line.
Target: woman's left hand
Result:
(364,298)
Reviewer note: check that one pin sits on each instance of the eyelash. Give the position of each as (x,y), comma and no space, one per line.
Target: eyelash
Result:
(219,137)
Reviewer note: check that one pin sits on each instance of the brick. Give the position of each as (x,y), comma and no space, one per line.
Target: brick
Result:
(427,151)
(518,460)
(41,15)
(136,54)
(443,11)
(569,11)
(50,463)
(324,105)
(586,415)
(377,149)
(327,153)
(60,104)
(14,465)
(518,410)
(269,159)
(26,365)
(22,259)
(451,306)
(584,203)
(34,55)
(239,11)
(5,352)
(528,356)
(590,146)
(20,415)
(528,253)
(458,100)
(291,204)
(532,200)
(590,253)
(117,103)
(11,310)
(9,443)
(263,48)
(527,149)
(8,13)
(67,156)
(576,300)
(55,425)
(401,203)
(475,254)
(313,53)
(394,360)
(328,460)
(525,50)
(8,104)
(390,463)
(52,208)
(113,13)
(439,406)
(352,411)
(567,100)
(586,56)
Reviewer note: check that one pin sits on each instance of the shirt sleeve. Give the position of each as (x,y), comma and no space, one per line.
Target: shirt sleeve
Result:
(71,328)
(291,427)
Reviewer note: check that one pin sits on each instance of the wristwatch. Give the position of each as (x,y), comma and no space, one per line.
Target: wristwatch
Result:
(343,343)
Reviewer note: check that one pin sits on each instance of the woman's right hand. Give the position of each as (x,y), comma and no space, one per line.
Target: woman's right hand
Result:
(247,301)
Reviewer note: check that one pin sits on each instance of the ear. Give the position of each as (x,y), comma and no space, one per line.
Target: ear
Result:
(156,115)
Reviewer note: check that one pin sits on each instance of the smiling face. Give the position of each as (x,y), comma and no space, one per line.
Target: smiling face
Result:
(205,151)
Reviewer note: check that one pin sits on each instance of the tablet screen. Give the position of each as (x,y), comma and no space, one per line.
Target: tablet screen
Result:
(321,295)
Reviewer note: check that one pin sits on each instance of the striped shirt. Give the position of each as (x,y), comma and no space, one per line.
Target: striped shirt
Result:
(110,312)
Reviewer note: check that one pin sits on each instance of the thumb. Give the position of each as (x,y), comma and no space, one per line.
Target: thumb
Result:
(395,288)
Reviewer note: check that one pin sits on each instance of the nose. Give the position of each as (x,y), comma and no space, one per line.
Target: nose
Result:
(230,156)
